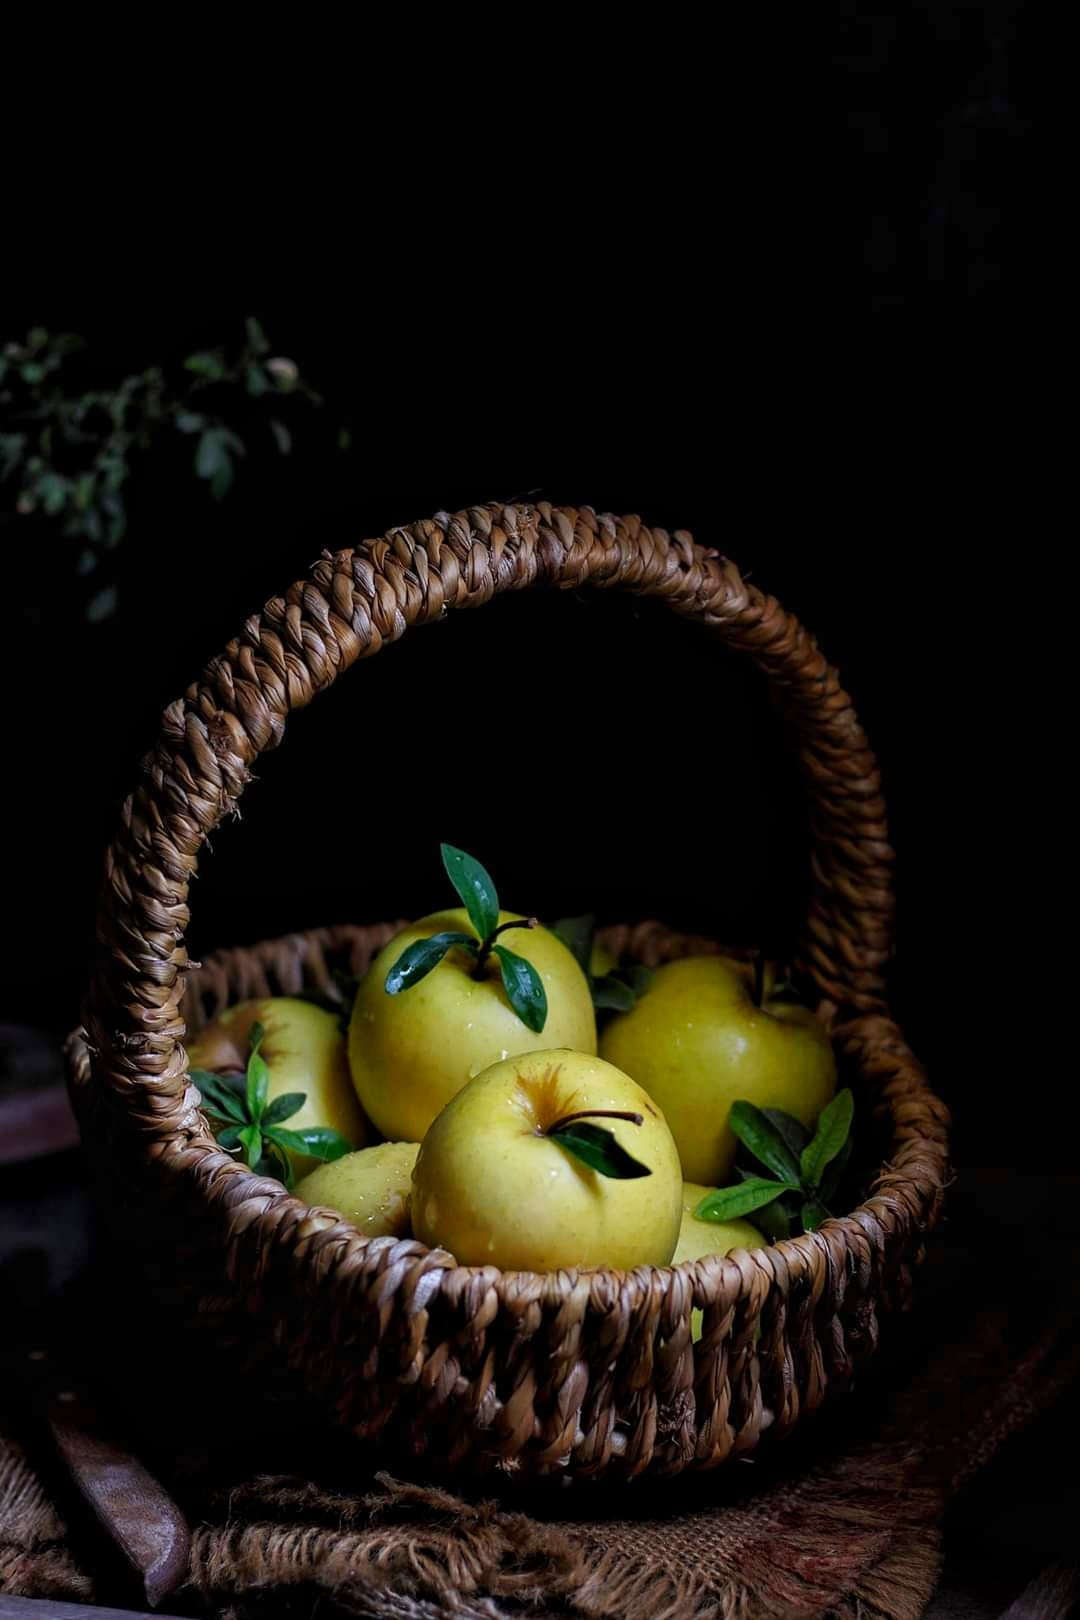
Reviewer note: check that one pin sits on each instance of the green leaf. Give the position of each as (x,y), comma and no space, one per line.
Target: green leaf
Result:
(284,1107)
(256,381)
(638,977)
(833,1128)
(621,990)
(258,342)
(728,1203)
(218,1096)
(597,1147)
(210,366)
(524,988)
(229,1137)
(793,1131)
(221,483)
(258,1075)
(813,1213)
(53,491)
(611,993)
(32,373)
(474,888)
(190,421)
(102,605)
(210,453)
(576,934)
(251,1140)
(317,1141)
(763,1140)
(417,961)
(282,436)
(832,1178)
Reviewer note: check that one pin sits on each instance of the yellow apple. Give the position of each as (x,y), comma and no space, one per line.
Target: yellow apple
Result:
(304,1050)
(697,1041)
(492,1187)
(409,1053)
(370,1188)
(698,1238)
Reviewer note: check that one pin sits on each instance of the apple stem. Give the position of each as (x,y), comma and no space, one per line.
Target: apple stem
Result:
(759,978)
(594,1113)
(485,945)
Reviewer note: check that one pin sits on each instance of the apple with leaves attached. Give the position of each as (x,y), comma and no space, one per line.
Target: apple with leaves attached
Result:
(709,1031)
(274,1077)
(449,996)
(548,1160)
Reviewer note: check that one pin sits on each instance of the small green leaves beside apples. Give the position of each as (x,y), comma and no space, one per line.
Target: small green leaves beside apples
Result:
(596,1146)
(617,991)
(728,1203)
(833,1130)
(765,1142)
(474,888)
(476,891)
(809,1167)
(248,1121)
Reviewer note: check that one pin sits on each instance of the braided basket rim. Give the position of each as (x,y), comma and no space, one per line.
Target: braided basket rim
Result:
(663,944)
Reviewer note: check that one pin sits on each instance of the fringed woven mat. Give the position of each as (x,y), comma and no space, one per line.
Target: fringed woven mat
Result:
(841,1521)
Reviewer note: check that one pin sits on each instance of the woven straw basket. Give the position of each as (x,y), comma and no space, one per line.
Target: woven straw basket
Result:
(588,1372)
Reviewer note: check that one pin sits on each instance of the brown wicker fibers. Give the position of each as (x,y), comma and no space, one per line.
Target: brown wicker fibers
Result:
(592,1372)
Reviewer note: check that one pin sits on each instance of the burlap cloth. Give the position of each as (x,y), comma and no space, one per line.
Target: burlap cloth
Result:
(842,1520)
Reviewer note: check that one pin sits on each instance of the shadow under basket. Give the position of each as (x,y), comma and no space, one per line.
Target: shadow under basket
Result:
(587,1373)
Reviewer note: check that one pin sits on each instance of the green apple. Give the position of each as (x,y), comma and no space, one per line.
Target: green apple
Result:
(371,1188)
(495,1187)
(602,961)
(304,1049)
(698,1041)
(698,1238)
(410,1053)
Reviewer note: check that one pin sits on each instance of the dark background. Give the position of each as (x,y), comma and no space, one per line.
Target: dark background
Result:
(813,360)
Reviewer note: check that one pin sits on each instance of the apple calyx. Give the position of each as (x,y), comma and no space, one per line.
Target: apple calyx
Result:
(523,985)
(595,1145)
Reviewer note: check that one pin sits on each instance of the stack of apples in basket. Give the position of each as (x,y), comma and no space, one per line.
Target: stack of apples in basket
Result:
(512,1094)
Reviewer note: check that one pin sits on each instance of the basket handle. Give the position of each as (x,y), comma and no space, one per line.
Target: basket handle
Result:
(351,604)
